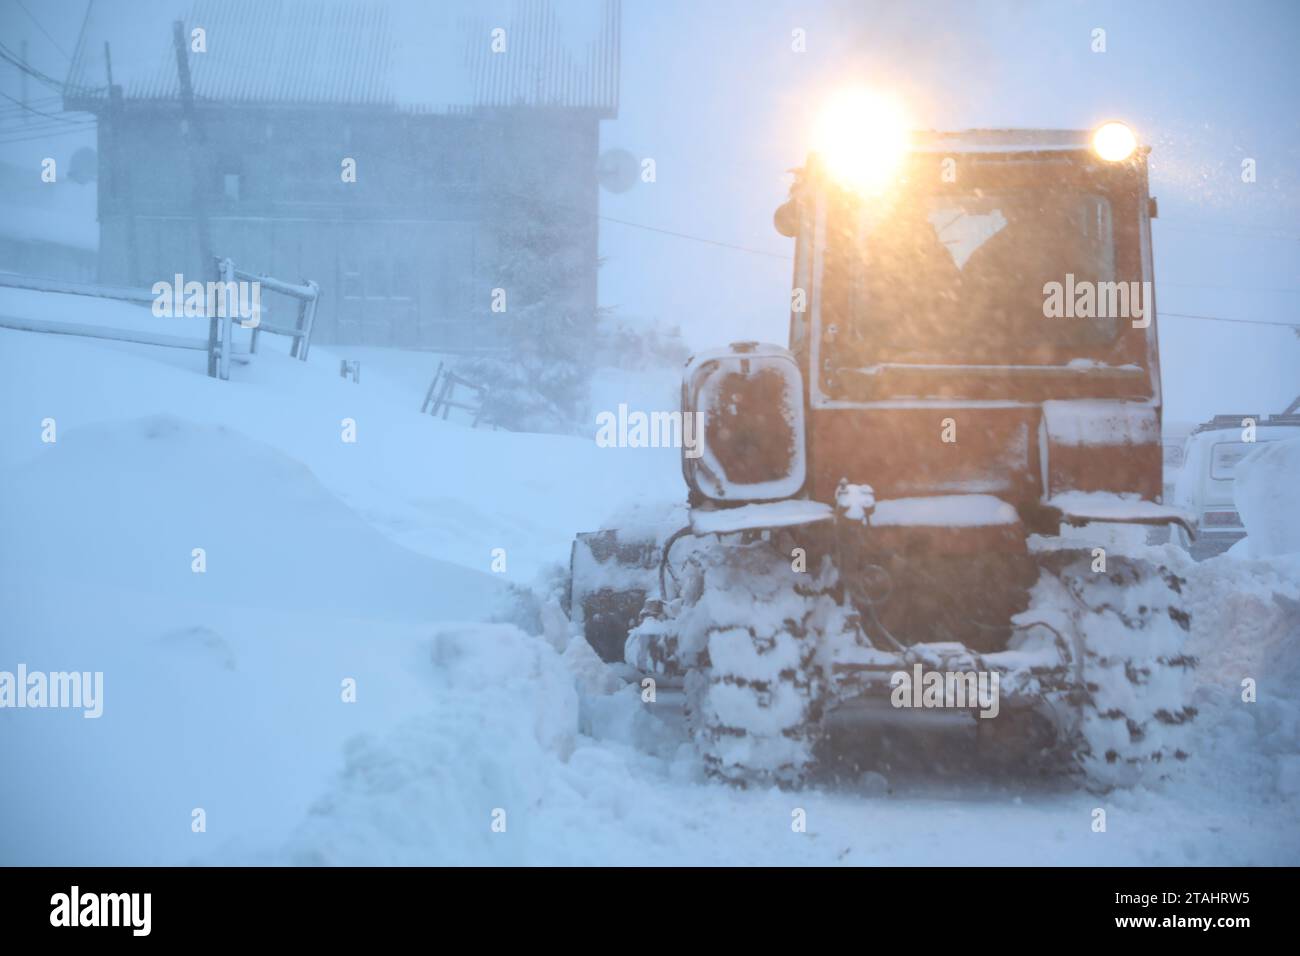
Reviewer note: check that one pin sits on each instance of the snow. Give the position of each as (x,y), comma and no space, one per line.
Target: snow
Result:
(1089,365)
(372,561)
(1093,422)
(171,486)
(957,511)
(773,514)
(1266,489)
(108,313)
(441,489)
(1246,627)
(1112,506)
(75,228)
(855,502)
(61,212)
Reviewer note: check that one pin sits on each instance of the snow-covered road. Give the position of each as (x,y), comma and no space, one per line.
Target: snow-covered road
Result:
(470,740)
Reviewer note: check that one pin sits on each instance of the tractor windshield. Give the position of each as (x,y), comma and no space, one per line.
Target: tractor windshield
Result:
(959,278)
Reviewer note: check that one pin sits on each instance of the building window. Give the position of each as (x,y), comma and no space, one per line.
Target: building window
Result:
(352,288)
(380,279)
(404,281)
(231,186)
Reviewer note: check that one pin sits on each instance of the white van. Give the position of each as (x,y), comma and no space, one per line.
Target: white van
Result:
(1204,485)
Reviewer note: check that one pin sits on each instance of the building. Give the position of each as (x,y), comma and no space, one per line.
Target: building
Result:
(444,112)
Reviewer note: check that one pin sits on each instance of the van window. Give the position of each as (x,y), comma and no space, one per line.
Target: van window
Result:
(1224,457)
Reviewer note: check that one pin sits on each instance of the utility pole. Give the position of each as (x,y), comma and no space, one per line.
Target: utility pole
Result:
(23,94)
(122,198)
(198,168)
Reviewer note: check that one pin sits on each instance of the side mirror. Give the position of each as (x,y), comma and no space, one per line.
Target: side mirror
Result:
(745,404)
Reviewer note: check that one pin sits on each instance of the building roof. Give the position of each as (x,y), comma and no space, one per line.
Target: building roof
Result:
(409,55)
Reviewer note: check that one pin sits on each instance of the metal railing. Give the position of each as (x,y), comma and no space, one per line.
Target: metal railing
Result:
(306,294)
(220,341)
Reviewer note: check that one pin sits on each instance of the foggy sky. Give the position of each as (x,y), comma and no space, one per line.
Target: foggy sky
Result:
(714,93)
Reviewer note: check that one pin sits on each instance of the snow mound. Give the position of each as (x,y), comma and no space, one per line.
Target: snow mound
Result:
(504,713)
(1265,491)
(1246,636)
(222,689)
(125,505)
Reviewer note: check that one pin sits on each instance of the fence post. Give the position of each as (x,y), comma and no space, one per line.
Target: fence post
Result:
(428,396)
(309,319)
(227,321)
(299,323)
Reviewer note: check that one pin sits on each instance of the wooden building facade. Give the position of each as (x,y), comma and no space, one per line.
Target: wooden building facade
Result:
(372,146)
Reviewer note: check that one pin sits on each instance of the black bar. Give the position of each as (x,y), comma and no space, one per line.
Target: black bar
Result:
(969,907)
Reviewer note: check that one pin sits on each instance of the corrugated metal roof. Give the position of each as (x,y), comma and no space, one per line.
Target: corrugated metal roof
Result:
(402,54)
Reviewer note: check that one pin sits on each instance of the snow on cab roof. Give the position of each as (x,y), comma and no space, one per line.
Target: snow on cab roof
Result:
(1002,140)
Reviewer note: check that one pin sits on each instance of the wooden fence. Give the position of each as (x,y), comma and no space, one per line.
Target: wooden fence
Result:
(220,341)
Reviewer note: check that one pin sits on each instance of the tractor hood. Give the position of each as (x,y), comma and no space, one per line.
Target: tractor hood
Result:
(1024,453)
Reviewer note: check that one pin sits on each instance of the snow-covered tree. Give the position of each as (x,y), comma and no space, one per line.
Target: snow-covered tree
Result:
(540,383)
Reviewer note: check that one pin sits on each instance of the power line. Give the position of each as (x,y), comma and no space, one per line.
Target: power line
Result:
(9,56)
(776,255)
(8,113)
(32,109)
(710,242)
(762,252)
(32,17)
(1219,224)
(65,131)
(36,124)
(531,197)
(17,61)
(21,134)
(1231,288)
(34,101)
(1220,318)
(1228,231)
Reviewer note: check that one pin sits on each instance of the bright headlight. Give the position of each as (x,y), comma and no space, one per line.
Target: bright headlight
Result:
(861,138)
(1114,142)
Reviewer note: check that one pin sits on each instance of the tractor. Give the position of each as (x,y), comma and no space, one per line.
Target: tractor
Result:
(943,483)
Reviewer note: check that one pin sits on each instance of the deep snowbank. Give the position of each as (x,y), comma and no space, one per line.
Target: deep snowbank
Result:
(438,488)
(502,719)
(1266,490)
(222,689)
(1246,635)
(123,507)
